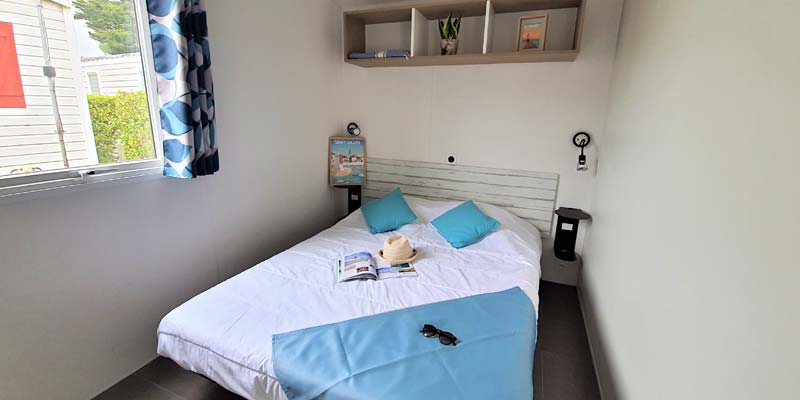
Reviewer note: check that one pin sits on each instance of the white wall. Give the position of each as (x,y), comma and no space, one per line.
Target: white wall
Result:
(690,265)
(86,277)
(518,116)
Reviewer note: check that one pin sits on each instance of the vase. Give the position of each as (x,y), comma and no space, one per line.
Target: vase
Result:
(449,47)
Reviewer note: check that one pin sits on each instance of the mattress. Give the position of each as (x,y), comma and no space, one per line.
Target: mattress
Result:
(225,333)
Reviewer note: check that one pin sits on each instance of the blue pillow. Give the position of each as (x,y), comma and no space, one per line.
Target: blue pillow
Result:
(388,213)
(465,225)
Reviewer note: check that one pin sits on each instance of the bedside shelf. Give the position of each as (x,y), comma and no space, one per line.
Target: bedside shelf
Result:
(468,59)
(488,32)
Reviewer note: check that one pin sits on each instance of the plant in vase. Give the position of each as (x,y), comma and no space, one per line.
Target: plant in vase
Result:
(449,30)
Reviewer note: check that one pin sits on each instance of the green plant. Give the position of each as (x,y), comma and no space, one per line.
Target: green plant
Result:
(450,29)
(110,22)
(121,125)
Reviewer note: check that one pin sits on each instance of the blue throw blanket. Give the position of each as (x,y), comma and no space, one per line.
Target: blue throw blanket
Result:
(385,356)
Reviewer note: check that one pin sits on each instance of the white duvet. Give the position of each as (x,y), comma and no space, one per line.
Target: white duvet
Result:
(226,332)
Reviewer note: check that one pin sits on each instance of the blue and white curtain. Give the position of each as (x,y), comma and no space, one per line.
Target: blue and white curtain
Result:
(179,33)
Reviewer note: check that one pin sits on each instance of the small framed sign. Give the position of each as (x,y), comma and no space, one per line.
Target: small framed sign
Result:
(532,33)
(347,161)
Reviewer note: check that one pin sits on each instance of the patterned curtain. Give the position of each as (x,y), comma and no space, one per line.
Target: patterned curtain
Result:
(179,34)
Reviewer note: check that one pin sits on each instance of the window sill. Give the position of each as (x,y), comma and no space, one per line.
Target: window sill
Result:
(82,180)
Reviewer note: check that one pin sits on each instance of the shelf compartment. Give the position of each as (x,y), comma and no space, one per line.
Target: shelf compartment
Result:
(420,32)
(426,37)
(561,29)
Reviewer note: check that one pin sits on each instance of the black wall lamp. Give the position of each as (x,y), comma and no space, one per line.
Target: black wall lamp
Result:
(353,129)
(581,140)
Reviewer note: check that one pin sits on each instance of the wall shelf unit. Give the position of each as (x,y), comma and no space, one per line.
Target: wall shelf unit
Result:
(488,33)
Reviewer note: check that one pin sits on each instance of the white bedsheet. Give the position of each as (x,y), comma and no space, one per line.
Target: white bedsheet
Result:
(226,332)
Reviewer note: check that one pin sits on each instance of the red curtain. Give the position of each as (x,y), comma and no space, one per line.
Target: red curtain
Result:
(11,94)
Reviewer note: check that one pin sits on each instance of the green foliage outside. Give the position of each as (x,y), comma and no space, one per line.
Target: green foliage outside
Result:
(111,22)
(121,125)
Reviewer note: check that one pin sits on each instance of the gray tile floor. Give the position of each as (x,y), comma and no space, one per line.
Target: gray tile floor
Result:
(562,366)
(562,370)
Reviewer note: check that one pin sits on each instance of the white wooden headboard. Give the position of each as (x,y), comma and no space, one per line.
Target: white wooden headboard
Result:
(528,195)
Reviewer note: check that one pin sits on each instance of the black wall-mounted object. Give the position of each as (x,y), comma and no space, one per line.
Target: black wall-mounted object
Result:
(581,140)
(353,199)
(567,232)
(353,129)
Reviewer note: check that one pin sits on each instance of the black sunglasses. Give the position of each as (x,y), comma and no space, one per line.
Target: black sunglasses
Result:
(445,338)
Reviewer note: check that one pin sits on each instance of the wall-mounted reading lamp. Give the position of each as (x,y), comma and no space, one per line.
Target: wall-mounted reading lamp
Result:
(581,140)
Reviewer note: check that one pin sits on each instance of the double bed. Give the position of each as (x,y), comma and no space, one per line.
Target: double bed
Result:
(226,332)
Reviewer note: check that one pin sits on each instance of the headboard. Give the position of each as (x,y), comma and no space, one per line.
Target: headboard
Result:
(528,195)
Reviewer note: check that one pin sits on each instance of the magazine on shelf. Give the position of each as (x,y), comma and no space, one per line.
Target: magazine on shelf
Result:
(361,265)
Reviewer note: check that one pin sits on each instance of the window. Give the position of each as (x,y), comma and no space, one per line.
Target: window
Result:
(55,57)
(94,82)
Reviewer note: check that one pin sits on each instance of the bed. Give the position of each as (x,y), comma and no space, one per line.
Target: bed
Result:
(225,333)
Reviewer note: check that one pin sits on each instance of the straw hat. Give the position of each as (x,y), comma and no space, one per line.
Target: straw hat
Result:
(397,250)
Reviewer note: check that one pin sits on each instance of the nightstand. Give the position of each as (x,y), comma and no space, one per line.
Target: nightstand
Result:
(557,270)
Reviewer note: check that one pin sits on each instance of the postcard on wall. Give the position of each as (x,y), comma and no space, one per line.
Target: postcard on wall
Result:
(532,33)
(347,161)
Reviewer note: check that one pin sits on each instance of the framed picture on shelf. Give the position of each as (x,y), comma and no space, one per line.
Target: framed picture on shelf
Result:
(532,33)
(347,161)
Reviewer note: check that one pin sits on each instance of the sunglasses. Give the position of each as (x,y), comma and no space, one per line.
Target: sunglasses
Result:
(445,338)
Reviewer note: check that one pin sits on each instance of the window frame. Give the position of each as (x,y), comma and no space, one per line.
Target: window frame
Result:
(71,178)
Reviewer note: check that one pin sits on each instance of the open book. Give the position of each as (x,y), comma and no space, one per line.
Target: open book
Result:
(362,265)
